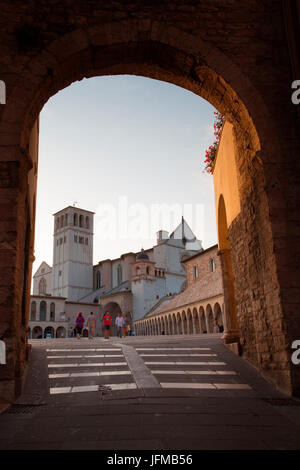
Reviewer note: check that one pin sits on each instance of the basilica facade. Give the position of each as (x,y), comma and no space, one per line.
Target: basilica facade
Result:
(132,284)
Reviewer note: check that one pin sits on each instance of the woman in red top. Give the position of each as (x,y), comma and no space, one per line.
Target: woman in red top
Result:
(106,324)
(79,324)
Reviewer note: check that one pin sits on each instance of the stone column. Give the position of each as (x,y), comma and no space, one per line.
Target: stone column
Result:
(16,243)
(231,329)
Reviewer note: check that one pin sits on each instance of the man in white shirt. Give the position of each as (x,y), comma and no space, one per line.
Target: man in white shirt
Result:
(91,324)
(119,324)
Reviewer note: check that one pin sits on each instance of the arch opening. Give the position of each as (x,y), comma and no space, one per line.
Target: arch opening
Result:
(177,59)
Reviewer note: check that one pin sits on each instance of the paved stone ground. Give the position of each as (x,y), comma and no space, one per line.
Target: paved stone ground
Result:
(142,393)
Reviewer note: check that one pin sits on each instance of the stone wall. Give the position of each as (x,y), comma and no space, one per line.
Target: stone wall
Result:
(202,261)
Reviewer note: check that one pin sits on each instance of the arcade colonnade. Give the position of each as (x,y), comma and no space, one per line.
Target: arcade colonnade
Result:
(43,330)
(196,319)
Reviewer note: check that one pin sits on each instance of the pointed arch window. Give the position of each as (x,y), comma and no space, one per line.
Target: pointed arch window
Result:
(42,286)
(52,311)
(43,309)
(33,311)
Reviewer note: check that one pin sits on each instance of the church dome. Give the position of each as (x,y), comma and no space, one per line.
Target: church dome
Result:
(142,255)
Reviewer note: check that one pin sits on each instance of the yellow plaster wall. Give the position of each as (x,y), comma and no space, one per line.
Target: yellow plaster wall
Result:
(225,176)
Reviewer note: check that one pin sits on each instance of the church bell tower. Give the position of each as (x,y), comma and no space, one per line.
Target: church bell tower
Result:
(73,253)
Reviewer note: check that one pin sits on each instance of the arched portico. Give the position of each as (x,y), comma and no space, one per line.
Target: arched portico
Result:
(203,325)
(37,333)
(113,309)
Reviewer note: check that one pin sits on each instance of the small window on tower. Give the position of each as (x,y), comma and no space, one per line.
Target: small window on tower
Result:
(212,264)
(86,241)
(75,238)
(196,272)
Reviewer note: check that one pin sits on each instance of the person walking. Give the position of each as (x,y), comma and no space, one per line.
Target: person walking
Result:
(106,324)
(216,327)
(79,324)
(119,323)
(124,325)
(91,324)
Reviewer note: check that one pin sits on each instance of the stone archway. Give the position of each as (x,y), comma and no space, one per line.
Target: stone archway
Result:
(49,332)
(184,323)
(196,321)
(180,50)
(179,324)
(37,332)
(174,322)
(218,316)
(190,325)
(170,325)
(113,309)
(209,319)
(203,326)
(61,332)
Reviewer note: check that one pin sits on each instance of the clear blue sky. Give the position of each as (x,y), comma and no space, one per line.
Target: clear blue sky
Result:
(126,137)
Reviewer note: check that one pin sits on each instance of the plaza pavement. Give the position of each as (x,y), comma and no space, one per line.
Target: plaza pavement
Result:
(146,393)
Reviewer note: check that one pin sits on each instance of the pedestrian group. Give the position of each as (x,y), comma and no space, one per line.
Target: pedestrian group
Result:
(121,323)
